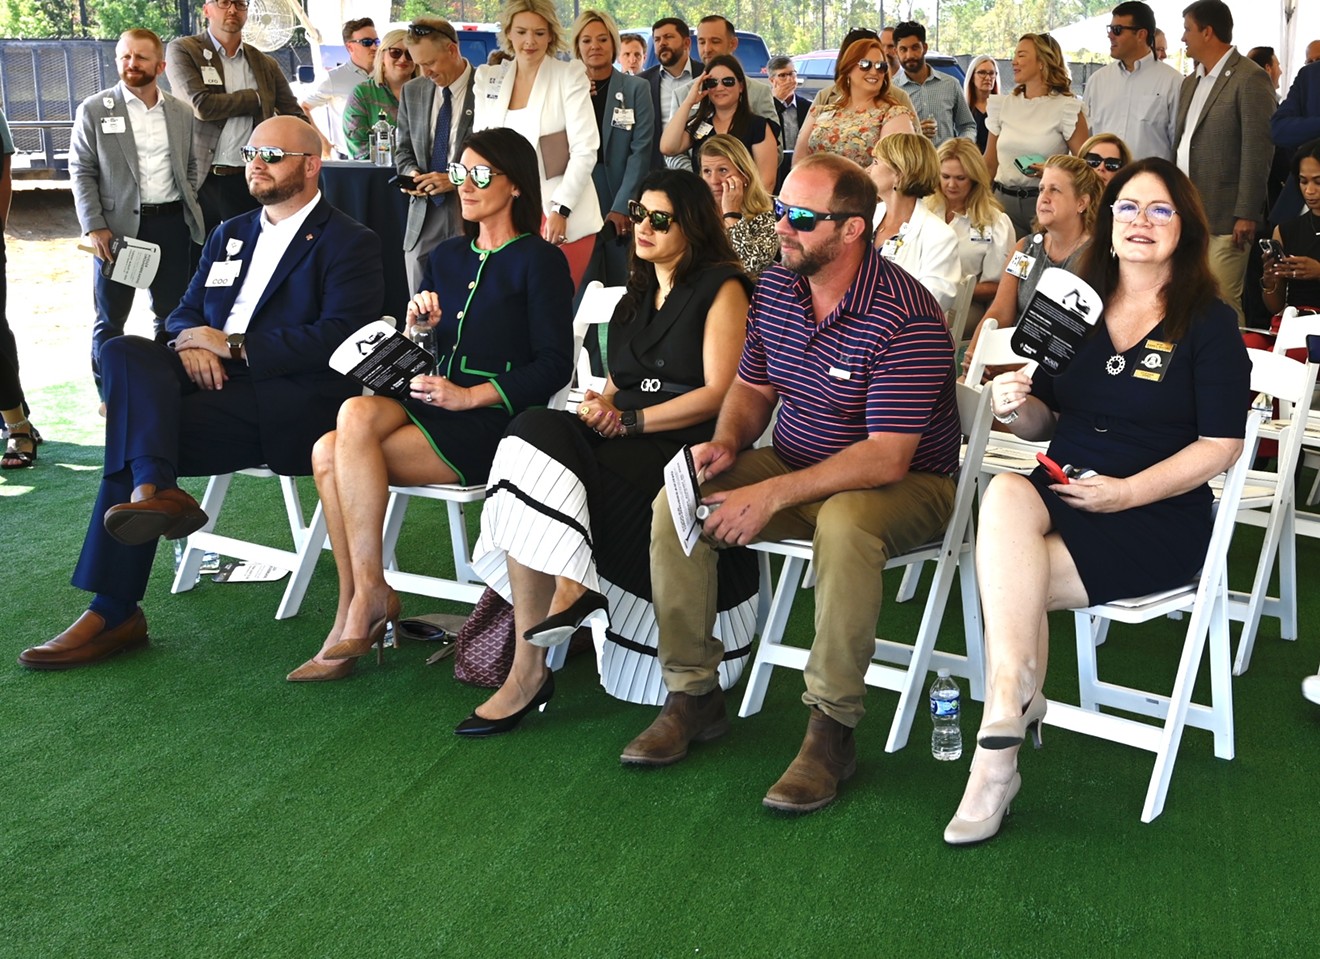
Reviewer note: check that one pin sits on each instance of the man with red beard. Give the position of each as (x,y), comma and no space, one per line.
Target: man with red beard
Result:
(133,170)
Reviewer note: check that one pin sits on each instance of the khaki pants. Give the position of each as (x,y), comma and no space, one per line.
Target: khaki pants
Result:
(853,534)
(1229,265)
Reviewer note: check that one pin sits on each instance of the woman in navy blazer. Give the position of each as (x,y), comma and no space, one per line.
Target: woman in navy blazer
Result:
(548,101)
(499,303)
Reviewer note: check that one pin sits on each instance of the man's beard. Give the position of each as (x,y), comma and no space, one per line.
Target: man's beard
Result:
(809,264)
(269,195)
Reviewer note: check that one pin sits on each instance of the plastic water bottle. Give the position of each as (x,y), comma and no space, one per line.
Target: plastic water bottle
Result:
(945,736)
(382,141)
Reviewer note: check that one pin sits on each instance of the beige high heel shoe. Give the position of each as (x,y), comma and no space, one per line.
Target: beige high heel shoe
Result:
(966,832)
(1007,733)
(314,672)
(350,649)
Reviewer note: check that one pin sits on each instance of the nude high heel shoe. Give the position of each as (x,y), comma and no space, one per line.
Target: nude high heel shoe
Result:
(349,649)
(966,832)
(1008,733)
(314,672)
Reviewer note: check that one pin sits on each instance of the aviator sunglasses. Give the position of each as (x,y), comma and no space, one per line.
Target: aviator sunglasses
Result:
(482,175)
(1095,161)
(865,65)
(269,154)
(1157,212)
(660,220)
(804,221)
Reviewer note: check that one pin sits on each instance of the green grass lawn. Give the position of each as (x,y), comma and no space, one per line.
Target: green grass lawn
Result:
(186,801)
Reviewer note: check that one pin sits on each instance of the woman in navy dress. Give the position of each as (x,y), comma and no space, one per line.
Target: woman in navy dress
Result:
(499,301)
(1155,403)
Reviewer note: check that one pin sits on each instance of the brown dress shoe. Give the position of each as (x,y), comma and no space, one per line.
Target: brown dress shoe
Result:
(683,720)
(828,756)
(171,513)
(87,641)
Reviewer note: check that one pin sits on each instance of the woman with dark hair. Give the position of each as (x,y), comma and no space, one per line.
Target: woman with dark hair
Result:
(1292,278)
(1155,403)
(567,521)
(499,303)
(865,110)
(719,99)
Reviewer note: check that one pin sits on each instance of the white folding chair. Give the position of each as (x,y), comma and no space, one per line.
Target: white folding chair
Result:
(1207,601)
(1269,499)
(952,552)
(1293,331)
(595,310)
(957,313)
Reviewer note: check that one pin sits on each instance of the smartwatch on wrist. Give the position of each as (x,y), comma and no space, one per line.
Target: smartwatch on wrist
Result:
(560,209)
(631,421)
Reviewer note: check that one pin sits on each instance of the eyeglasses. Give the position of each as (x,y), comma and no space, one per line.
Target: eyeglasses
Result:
(367,42)
(230,4)
(1116,29)
(418,30)
(660,220)
(1157,212)
(804,221)
(1095,161)
(985,73)
(865,65)
(481,175)
(397,52)
(268,154)
(710,83)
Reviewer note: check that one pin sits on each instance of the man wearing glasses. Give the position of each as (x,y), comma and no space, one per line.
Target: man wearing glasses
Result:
(856,355)
(232,86)
(361,42)
(1135,97)
(791,108)
(435,117)
(245,381)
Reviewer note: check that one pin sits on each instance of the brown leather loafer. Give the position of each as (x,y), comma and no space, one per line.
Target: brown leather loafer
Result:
(683,720)
(171,513)
(828,756)
(87,641)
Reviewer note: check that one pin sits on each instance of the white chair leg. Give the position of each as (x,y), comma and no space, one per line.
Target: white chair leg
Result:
(1085,626)
(973,627)
(458,541)
(293,510)
(911,579)
(758,677)
(309,551)
(190,567)
(395,510)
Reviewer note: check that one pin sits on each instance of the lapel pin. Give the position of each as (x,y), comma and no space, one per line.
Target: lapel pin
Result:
(109,102)
(309,237)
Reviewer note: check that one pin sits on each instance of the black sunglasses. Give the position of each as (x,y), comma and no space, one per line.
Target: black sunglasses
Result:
(1116,29)
(1095,161)
(481,175)
(660,220)
(710,83)
(804,221)
(396,52)
(269,154)
(419,30)
(367,42)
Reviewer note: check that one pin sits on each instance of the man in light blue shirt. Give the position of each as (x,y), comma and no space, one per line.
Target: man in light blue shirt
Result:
(938,99)
(1136,96)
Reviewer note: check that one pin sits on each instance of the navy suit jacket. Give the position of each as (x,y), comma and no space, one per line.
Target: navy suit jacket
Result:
(1297,121)
(328,284)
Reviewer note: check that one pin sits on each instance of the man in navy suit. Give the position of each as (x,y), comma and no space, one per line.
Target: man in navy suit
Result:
(244,383)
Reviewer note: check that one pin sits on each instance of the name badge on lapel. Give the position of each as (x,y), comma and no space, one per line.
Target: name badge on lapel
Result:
(211,76)
(224,272)
(112,124)
(108,102)
(1154,362)
(1019,265)
(704,130)
(623,119)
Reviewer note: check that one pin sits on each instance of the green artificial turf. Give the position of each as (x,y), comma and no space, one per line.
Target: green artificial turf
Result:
(186,801)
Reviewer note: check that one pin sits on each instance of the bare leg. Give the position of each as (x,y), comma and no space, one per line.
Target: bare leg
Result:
(567,592)
(323,469)
(532,593)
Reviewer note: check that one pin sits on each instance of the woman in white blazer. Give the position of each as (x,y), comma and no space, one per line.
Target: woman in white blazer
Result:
(905,170)
(548,101)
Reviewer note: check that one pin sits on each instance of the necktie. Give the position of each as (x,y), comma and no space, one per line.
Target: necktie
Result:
(440,145)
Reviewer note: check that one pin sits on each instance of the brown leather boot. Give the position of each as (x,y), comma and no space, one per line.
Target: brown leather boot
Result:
(828,756)
(684,719)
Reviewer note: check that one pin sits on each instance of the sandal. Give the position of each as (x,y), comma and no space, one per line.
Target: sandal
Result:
(16,458)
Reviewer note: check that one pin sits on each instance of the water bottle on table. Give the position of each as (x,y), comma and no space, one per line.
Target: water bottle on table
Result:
(382,141)
(945,735)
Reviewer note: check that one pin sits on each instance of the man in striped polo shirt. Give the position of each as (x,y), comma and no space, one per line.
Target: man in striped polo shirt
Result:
(857,354)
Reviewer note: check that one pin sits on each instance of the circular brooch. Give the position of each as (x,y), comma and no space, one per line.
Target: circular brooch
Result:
(1115,364)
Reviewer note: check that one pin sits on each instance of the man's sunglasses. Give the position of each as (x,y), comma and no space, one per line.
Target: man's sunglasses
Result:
(418,30)
(660,220)
(1095,161)
(1116,29)
(397,52)
(269,154)
(482,176)
(367,42)
(710,83)
(804,221)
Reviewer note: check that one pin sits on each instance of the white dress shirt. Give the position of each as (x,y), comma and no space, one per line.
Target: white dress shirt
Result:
(272,243)
(927,248)
(1204,84)
(151,137)
(238,76)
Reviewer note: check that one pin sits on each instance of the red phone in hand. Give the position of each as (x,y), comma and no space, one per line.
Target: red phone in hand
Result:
(1052,468)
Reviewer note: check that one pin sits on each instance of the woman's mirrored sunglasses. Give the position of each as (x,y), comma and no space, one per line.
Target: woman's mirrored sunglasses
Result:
(482,175)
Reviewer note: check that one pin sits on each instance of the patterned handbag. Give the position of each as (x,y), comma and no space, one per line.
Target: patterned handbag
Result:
(484,648)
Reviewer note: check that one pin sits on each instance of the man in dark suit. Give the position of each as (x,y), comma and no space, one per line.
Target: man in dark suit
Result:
(246,382)
(791,108)
(673,48)
(232,86)
(134,174)
(1223,140)
(421,151)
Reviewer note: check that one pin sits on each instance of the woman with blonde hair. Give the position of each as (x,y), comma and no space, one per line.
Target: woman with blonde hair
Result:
(548,101)
(967,203)
(1040,118)
(748,213)
(982,82)
(907,233)
(1106,154)
(864,112)
(378,94)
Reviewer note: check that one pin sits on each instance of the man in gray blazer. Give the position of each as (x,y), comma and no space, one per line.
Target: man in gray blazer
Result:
(433,212)
(1223,140)
(231,86)
(134,173)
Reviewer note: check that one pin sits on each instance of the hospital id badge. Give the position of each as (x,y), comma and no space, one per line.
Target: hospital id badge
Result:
(211,76)
(623,118)
(1019,265)
(112,124)
(224,272)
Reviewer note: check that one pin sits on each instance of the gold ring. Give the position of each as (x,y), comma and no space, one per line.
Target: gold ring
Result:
(583,410)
